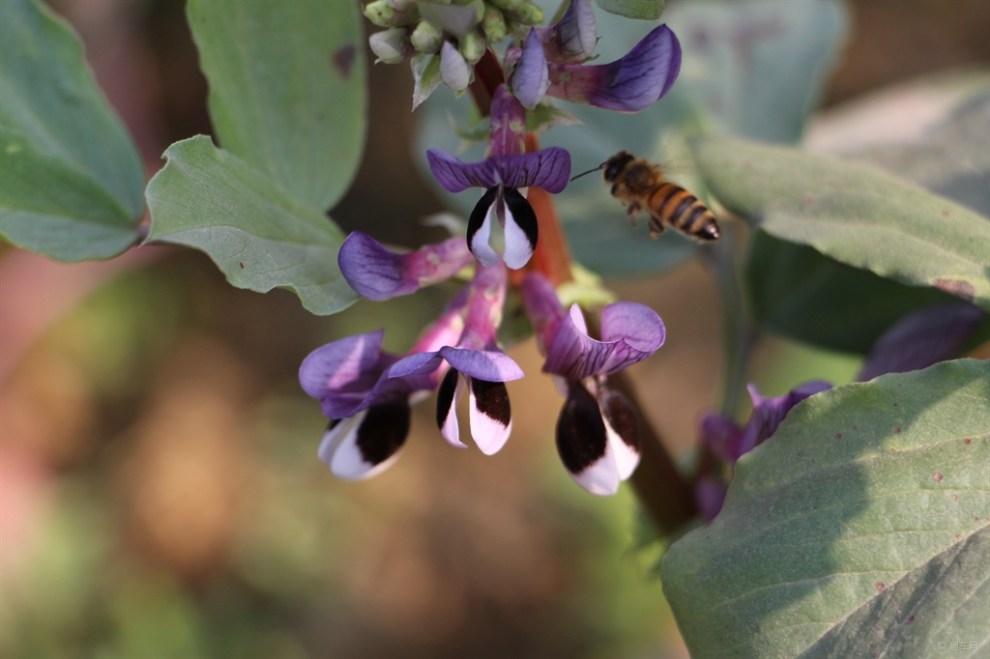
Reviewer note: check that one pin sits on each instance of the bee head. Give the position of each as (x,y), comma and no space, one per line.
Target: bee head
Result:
(614,165)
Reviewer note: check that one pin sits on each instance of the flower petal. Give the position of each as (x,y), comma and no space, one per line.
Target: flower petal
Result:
(455,19)
(479,229)
(418,363)
(521,230)
(367,443)
(633,82)
(491,415)
(582,442)
(492,365)
(548,168)
(622,427)
(456,176)
(574,36)
(768,413)
(922,338)
(343,373)
(722,436)
(454,69)
(377,273)
(530,79)
(448,394)
(633,332)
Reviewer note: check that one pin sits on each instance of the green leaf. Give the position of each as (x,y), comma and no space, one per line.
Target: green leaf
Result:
(859,529)
(797,292)
(258,234)
(852,213)
(287,89)
(645,9)
(73,180)
(733,52)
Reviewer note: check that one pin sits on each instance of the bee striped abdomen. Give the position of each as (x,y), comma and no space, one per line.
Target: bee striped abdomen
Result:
(672,204)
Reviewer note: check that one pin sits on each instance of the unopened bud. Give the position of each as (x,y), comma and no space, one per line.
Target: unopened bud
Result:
(473,46)
(391,46)
(426,38)
(391,13)
(528,15)
(493,23)
(454,71)
(508,5)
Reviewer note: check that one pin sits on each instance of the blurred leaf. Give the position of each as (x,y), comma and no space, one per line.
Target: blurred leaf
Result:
(257,234)
(858,529)
(852,213)
(732,61)
(73,179)
(797,292)
(287,89)
(646,9)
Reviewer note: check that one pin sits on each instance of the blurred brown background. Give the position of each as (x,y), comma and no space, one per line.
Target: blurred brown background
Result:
(159,490)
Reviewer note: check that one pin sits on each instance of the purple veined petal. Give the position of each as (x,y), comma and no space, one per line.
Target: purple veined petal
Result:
(456,176)
(492,365)
(454,70)
(583,445)
(634,333)
(530,79)
(377,273)
(549,169)
(768,413)
(479,231)
(450,391)
(418,363)
(574,36)
(635,81)
(367,443)
(490,416)
(521,230)
(343,374)
(543,308)
(622,428)
(922,338)
(507,134)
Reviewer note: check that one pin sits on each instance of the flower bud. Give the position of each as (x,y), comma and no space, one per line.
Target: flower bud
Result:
(391,46)
(493,24)
(472,46)
(528,15)
(426,38)
(391,13)
(454,71)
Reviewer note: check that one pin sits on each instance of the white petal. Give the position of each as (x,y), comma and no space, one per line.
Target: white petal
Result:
(479,241)
(602,476)
(625,456)
(518,249)
(488,432)
(450,429)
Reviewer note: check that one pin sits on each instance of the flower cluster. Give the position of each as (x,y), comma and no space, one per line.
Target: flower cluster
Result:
(366,392)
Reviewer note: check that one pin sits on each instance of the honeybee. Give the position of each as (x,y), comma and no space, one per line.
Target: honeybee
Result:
(641,184)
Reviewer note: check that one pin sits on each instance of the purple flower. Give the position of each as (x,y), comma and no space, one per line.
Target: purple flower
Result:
(598,430)
(501,203)
(728,441)
(379,274)
(368,407)
(633,82)
(922,338)
(476,364)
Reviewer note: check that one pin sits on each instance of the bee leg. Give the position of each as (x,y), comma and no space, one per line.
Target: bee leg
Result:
(656,228)
(631,209)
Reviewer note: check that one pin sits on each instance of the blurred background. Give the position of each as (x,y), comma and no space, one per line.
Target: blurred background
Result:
(160,494)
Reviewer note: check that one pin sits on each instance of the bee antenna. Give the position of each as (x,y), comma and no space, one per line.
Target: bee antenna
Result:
(596,169)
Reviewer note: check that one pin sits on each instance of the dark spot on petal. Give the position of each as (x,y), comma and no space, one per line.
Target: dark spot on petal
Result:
(581,438)
(880,586)
(445,397)
(621,416)
(492,400)
(383,431)
(343,60)
(957,287)
(938,476)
